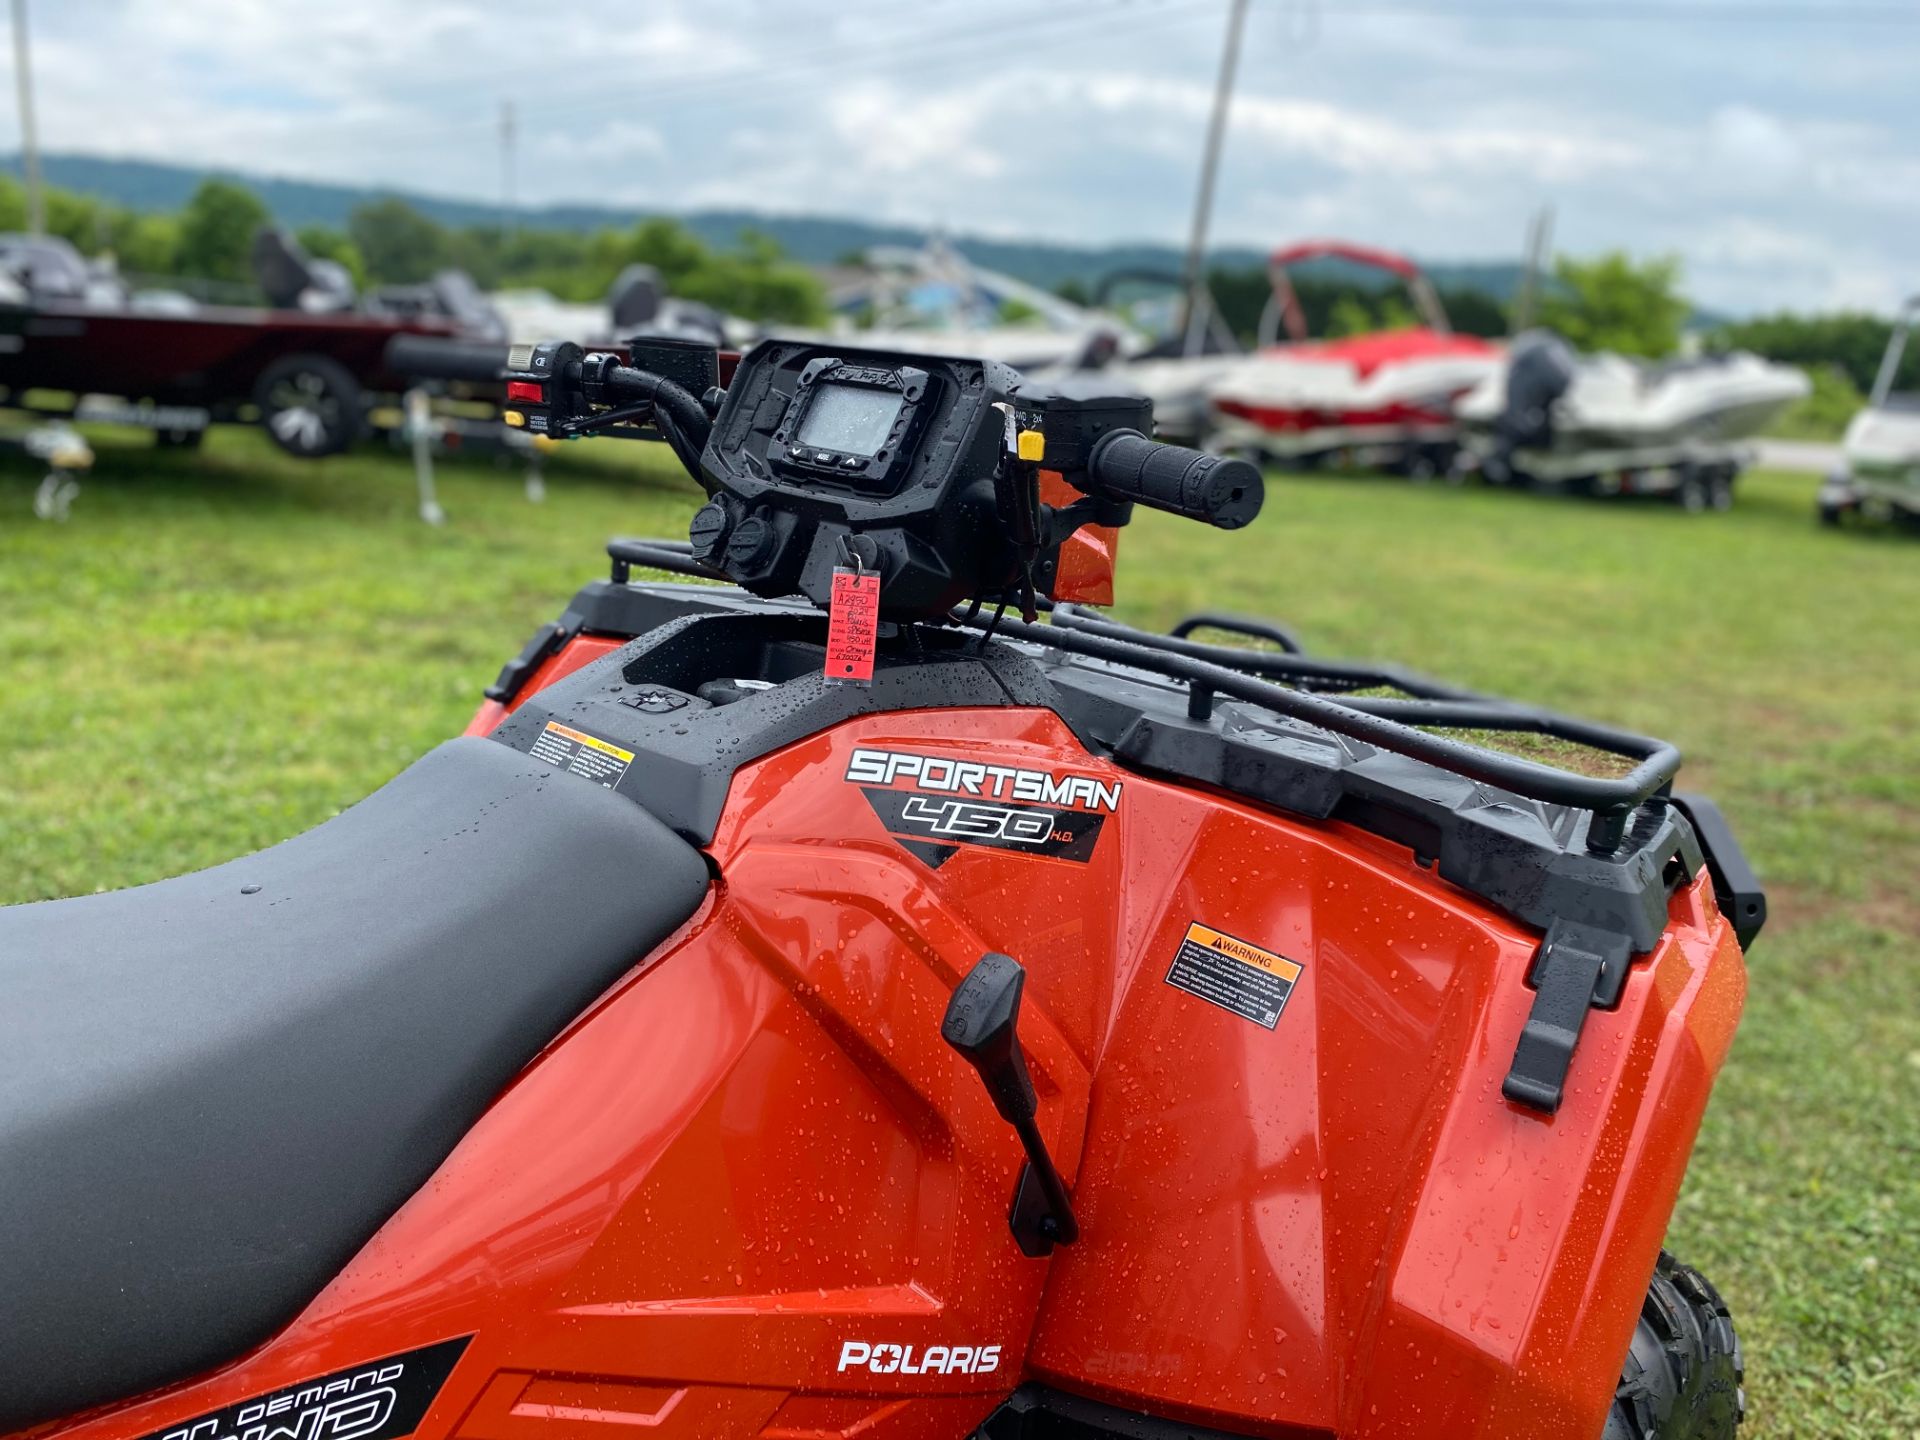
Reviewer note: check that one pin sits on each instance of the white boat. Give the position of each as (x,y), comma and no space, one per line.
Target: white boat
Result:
(932,300)
(1880,453)
(637,304)
(1178,353)
(533,316)
(1608,424)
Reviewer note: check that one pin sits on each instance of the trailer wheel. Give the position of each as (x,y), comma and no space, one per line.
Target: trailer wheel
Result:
(311,406)
(1682,1379)
(1720,490)
(1692,494)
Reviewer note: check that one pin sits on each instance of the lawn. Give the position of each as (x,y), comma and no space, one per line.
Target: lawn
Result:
(219,650)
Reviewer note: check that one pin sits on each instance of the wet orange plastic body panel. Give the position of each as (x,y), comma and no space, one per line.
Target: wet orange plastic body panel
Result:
(751,1192)
(580,650)
(1088,557)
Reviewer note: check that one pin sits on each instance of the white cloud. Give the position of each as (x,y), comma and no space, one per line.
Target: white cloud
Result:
(615,140)
(1754,145)
(888,133)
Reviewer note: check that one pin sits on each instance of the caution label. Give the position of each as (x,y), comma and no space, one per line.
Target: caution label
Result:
(1253,983)
(579,753)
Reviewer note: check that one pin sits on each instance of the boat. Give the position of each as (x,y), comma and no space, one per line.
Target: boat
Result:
(308,365)
(1879,473)
(1382,398)
(637,304)
(933,300)
(1606,424)
(1184,353)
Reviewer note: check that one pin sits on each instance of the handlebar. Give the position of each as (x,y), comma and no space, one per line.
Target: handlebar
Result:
(429,357)
(1225,493)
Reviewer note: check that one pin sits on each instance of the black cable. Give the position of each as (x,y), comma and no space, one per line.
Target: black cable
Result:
(986,635)
(666,397)
(688,457)
(638,413)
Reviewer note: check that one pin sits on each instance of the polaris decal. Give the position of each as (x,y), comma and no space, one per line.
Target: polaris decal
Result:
(380,1400)
(934,1360)
(933,803)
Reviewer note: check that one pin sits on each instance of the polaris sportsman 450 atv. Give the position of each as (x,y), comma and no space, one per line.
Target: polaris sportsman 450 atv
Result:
(827,1005)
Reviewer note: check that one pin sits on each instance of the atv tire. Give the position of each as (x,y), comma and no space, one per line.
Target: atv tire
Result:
(310,406)
(1682,1379)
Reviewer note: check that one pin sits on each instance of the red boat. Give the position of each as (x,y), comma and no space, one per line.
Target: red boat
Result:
(1386,397)
(308,367)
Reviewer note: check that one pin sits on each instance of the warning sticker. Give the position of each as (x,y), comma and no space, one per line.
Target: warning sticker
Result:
(1253,983)
(579,753)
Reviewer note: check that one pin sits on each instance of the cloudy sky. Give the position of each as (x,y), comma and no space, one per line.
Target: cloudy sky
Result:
(1773,144)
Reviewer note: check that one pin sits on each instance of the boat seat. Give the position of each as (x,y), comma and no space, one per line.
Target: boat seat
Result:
(215,1089)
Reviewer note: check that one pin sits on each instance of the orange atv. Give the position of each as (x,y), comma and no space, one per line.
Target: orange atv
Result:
(827,1005)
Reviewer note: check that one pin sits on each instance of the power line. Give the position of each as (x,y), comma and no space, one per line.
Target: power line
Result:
(1827,12)
(1000,21)
(922,55)
(999,31)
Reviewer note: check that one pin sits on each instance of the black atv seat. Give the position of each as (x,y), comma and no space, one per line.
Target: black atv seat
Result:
(215,1089)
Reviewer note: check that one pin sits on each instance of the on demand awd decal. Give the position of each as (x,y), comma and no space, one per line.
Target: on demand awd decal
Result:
(932,804)
(380,1400)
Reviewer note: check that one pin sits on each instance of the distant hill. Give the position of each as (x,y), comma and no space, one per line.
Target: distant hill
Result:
(812,239)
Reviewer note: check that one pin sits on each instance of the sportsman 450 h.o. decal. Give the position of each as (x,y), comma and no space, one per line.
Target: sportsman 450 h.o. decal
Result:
(934,803)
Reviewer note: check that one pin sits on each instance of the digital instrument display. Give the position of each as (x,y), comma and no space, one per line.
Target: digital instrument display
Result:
(849,419)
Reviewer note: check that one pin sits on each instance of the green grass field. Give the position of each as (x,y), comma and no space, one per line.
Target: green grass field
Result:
(219,650)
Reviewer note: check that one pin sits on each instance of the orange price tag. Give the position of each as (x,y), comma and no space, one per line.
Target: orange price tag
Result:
(853,626)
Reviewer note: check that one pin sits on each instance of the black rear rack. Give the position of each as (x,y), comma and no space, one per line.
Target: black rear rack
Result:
(1320,692)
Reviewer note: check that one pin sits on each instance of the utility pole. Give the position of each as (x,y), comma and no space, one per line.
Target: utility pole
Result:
(29,142)
(1195,278)
(507,137)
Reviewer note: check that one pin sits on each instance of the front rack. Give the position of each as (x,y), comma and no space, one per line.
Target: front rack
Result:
(1320,693)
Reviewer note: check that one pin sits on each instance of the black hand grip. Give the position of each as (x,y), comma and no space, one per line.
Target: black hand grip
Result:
(428,357)
(982,1023)
(1125,465)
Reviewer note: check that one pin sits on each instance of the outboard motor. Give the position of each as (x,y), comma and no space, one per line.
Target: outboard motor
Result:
(641,309)
(685,320)
(634,298)
(293,279)
(1540,369)
(1101,349)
